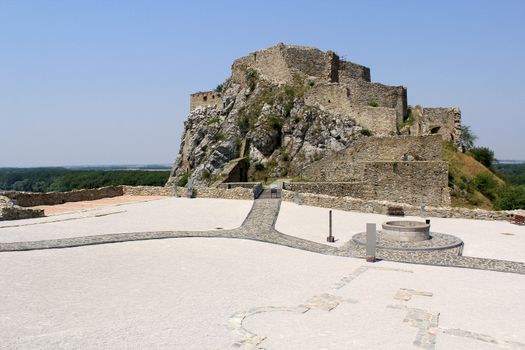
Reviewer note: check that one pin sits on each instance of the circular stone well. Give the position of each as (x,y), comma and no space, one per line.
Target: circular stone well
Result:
(406,231)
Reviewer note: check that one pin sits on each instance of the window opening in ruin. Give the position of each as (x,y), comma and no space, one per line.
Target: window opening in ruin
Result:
(205,98)
(329,101)
(435,130)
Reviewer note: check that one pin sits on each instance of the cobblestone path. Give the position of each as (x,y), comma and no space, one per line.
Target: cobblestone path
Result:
(259,226)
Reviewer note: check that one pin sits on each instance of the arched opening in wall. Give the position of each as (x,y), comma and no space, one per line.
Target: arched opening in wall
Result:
(212,97)
(205,98)
(435,130)
(329,101)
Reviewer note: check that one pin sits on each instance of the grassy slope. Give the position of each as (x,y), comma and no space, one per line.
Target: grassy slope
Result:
(462,170)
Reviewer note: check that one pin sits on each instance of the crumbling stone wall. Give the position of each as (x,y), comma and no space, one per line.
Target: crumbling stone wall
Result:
(10,211)
(381,207)
(349,70)
(363,93)
(381,121)
(205,99)
(31,199)
(441,121)
(347,165)
(280,63)
(414,183)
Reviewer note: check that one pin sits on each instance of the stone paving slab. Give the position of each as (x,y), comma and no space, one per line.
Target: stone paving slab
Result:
(259,225)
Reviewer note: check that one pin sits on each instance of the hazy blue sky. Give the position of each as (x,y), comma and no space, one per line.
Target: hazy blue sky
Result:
(101,82)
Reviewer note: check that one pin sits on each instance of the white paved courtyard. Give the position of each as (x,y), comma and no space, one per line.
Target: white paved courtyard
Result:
(218,293)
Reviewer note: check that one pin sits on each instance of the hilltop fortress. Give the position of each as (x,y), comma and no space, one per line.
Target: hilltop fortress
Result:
(303,114)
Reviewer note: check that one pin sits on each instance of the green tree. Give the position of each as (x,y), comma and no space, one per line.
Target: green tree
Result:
(484,155)
(511,197)
(467,138)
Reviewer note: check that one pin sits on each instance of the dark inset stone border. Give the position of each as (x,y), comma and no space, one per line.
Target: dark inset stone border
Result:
(437,241)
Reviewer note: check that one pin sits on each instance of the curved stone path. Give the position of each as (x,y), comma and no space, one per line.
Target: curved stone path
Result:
(259,226)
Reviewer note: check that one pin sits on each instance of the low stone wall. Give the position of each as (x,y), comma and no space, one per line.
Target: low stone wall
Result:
(232,193)
(9,211)
(31,199)
(148,190)
(336,189)
(256,187)
(381,207)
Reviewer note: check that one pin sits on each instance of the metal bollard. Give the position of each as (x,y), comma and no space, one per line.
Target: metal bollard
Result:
(371,235)
(330,238)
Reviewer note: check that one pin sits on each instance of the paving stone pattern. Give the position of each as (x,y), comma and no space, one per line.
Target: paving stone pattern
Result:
(259,226)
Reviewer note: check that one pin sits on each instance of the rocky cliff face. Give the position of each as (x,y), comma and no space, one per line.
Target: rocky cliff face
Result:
(267,123)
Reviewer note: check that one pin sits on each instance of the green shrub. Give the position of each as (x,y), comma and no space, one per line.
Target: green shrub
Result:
(213,121)
(219,88)
(408,121)
(486,184)
(483,155)
(183,180)
(219,136)
(365,132)
(467,138)
(259,167)
(511,197)
(373,104)
(275,122)
(251,78)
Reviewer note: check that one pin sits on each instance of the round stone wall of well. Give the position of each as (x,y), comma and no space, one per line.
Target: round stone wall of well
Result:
(406,231)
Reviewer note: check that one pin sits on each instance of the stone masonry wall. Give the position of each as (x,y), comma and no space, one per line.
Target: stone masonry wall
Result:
(362,93)
(414,183)
(205,99)
(9,211)
(281,62)
(336,189)
(445,122)
(349,70)
(381,121)
(30,199)
(381,207)
(346,165)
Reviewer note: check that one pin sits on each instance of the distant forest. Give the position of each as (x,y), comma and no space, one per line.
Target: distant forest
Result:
(62,179)
(514,174)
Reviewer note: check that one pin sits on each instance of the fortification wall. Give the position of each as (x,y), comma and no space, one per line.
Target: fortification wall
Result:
(9,211)
(414,183)
(380,121)
(441,121)
(336,189)
(347,165)
(381,207)
(363,93)
(280,63)
(31,199)
(205,99)
(348,71)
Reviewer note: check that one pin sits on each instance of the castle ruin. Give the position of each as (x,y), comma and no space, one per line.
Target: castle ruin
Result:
(298,112)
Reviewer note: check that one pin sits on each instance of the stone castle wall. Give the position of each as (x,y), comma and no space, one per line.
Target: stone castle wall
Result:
(414,183)
(205,99)
(441,121)
(347,165)
(31,199)
(380,121)
(381,207)
(280,63)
